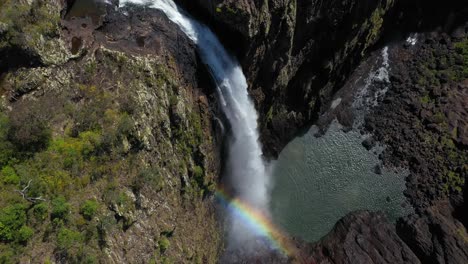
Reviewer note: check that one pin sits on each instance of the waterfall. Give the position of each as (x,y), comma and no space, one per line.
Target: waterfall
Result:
(245,167)
(368,96)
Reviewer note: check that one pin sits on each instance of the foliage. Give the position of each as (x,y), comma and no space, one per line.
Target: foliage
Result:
(462,49)
(82,143)
(60,208)
(150,177)
(28,22)
(9,175)
(163,244)
(66,239)
(6,255)
(41,211)
(28,132)
(188,140)
(12,220)
(25,233)
(88,209)
(6,148)
(198,175)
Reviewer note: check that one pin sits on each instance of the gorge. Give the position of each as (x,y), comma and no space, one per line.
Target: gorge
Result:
(246,176)
(130,134)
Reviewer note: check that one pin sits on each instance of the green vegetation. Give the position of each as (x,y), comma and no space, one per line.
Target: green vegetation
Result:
(269,115)
(60,208)
(374,27)
(66,239)
(227,9)
(150,177)
(87,138)
(41,211)
(462,49)
(56,168)
(25,233)
(9,175)
(453,182)
(163,244)
(436,69)
(26,23)
(425,100)
(453,65)
(88,209)
(12,220)
(6,148)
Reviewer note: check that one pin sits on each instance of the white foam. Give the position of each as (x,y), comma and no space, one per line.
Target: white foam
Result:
(245,166)
(412,39)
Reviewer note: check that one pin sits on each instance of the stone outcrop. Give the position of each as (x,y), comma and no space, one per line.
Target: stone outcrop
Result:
(362,237)
(422,121)
(434,235)
(131,89)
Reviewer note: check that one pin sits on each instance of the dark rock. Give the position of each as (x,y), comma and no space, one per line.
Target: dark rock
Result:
(435,237)
(368,143)
(378,169)
(292,58)
(362,237)
(420,129)
(458,33)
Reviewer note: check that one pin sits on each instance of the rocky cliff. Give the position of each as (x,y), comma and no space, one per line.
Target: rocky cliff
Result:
(423,121)
(295,53)
(107,148)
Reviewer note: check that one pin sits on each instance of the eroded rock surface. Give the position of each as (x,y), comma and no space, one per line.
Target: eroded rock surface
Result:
(362,237)
(110,123)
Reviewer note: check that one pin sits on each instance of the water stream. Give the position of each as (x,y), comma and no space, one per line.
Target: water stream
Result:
(317,180)
(245,167)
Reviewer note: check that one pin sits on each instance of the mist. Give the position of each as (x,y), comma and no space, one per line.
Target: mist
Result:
(245,169)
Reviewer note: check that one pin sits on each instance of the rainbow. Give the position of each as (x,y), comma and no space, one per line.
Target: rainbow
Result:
(256,220)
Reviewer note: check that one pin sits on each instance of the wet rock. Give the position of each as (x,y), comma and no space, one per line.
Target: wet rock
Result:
(378,169)
(368,143)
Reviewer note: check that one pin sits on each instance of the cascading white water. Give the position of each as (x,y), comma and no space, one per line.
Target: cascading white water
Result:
(245,165)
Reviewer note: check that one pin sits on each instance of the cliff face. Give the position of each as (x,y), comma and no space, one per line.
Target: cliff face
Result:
(109,151)
(294,53)
(108,134)
(297,53)
(423,121)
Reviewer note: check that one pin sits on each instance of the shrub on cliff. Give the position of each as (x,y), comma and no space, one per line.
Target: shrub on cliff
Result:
(9,176)
(6,148)
(88,209)
(60,208)
(28,132)
(12,220)
(66,239)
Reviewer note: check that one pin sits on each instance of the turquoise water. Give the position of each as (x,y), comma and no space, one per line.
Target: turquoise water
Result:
(319,180)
